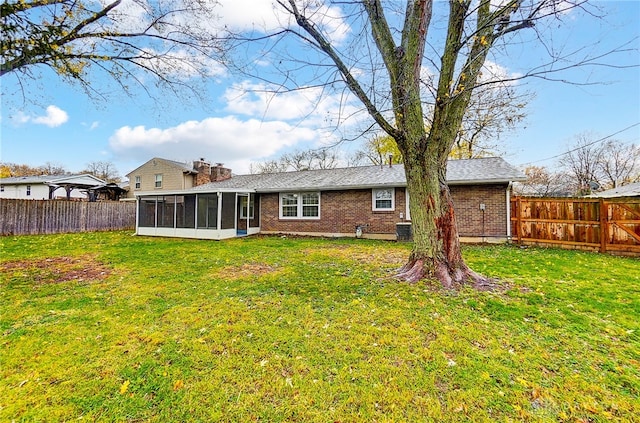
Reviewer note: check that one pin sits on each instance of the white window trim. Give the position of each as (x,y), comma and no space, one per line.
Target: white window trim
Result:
(250,201)
(373,199)
(158,180)
(299,206)
(137,182)
(407,214)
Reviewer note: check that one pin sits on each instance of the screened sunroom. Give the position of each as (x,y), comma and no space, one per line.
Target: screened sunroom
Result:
(207,215)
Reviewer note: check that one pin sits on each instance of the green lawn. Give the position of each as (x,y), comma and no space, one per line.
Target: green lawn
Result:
(113,327)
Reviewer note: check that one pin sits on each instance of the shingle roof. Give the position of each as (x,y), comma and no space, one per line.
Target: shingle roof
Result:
(18,180)
(629,190)
(478,171)
(83,178)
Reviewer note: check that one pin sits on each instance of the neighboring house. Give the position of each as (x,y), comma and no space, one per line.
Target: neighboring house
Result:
(542,190)
(47,187)
(164,175)
(629,190)
(368,201)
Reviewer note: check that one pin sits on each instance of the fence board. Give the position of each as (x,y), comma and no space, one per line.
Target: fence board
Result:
(34,217)
(607,225)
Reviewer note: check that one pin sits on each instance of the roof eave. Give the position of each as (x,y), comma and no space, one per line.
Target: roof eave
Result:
(191,191)
(333,187)
(485,181)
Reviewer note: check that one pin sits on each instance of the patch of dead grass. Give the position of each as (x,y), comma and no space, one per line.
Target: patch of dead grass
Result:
(57,269)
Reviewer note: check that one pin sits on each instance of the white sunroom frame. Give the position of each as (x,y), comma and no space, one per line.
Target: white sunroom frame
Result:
(198,233)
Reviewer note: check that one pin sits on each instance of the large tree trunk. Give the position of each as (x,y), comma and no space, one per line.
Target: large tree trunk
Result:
(436,250)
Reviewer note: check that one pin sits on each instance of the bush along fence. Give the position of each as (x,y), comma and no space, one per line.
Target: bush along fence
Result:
(598,224)
(33,217)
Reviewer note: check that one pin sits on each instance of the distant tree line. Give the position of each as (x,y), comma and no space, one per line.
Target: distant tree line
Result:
(590,165)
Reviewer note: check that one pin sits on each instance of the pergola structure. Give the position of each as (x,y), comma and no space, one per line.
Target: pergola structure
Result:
(84,182)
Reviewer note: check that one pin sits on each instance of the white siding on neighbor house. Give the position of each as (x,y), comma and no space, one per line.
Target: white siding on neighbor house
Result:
(38,192)
(173,177)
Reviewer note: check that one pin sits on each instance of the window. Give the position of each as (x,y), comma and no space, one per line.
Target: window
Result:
(28,189)
(138,182)
(170,211)
(300,205)
(311,204)
(186,211)
(159,180)
(1,188)
(246,208)
(166,211)
(147,212)
(208,211)
(383,199)
(289,205)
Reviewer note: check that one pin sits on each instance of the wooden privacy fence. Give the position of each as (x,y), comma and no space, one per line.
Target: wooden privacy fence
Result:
(32,217)
(602,224)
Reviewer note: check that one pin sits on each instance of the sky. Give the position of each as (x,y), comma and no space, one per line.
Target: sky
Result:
(47,120)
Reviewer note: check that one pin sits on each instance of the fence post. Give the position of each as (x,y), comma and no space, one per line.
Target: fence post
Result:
(604,214)
(518,207)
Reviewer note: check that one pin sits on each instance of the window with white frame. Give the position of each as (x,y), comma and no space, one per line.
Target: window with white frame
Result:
(138,182)
(383,199)
(246,208)
(300,205)
(28,189)
(159,180)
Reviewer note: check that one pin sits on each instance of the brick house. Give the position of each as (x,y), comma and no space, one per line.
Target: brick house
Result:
(367,201)
(165,175)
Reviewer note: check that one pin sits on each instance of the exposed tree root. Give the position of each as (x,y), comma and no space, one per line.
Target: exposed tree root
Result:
(411,272)
(451,278)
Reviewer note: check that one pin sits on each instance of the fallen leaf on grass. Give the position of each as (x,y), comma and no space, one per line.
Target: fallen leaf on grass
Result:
(124,387)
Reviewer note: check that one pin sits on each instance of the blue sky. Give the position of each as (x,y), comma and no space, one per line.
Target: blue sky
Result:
(58,123)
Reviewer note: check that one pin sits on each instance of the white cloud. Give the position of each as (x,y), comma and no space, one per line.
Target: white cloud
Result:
(312,106)
(245,15)
(268,16)
(228,139)
(54,117)
(492,71)
(20,118)
(91,126)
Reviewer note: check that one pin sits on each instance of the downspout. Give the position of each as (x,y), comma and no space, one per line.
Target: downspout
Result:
(508,195)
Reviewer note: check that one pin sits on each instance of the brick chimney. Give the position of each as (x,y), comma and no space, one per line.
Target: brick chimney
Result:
(204,171)
(220,173)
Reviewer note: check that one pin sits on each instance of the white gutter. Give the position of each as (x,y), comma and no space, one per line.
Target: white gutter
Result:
(192,191)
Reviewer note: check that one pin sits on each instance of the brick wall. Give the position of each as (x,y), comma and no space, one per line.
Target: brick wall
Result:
(467,200)
(204,172)
(341,211)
